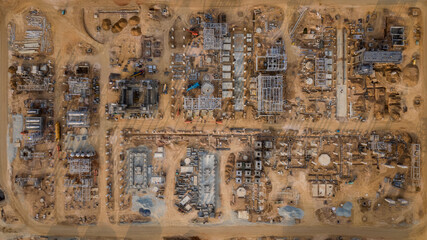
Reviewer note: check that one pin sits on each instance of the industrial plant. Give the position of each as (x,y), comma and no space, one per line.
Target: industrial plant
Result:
(213,119)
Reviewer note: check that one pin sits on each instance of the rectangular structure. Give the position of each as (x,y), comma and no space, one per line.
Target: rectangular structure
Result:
(341,75)
(275,60)
(138,168)
(78,119)
(33,123)
(382,57)
(79,166)
(270,94)
(207,173)
(136,97)
(213,34)
(79,86)
(416,165)
(202,103)
(238,72)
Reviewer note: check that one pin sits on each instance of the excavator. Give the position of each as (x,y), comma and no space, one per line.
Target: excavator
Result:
(194,33)
(135,74)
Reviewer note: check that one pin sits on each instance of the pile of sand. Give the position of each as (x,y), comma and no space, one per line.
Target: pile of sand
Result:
(410,75)
(395,116)
(133,21)
(379,115)
(417,101)
(406,137)
(119,25)
(122,22)
(136,31)
(12,69)
(404,160)
(116,29)
(106,24)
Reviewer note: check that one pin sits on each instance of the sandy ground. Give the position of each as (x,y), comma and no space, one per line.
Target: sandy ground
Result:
(170,226)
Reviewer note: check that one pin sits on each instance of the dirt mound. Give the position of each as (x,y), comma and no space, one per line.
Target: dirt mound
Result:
(326,215)
(121,2)
(410,75)
(417,101)
(106,24)
(136,31)
(133,21)
(122,22)
(116,28)
(119,25)
(395,116)
(379,115)
(394,77)
(406,137)
(12,69)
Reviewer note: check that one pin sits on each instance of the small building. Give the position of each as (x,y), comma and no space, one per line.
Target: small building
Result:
(322,190)
(397,35)
(226,75)
(157,180)
(34,123)
(187,169)
(78,118)
(227,94)
(226,68)
(364,69)
(243,215)
(160,153)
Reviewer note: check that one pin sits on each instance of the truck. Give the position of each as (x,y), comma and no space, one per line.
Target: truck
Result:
(57,131)
(165,88)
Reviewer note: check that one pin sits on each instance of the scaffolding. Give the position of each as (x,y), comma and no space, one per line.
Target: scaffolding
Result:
(320,76)
(275,60)
(202,103)
(37,39)
(238,72)
(33,87)
(79,166)
(213,34)
(416,165)
(270,94)
(79,86)
(341,74)
(394,57)
(139,170)
(206,178)
(81,190)
(136,97)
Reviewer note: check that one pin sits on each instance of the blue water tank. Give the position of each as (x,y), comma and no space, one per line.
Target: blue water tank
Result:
(145,212)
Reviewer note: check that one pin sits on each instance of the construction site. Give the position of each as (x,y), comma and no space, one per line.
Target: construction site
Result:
(196,184)
(219,120)
(265,184)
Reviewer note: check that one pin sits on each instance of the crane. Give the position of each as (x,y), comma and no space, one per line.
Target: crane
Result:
(193,86)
